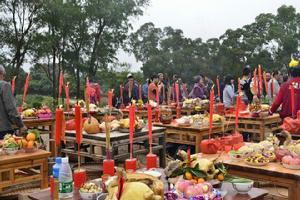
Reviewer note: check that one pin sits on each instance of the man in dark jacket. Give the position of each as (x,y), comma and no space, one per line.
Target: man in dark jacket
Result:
(131,90)
(8,112)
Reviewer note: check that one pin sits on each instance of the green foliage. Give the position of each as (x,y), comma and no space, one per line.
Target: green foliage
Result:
(35,100)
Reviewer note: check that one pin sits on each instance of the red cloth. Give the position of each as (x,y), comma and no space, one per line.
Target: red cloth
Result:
(152,92)
(284,98)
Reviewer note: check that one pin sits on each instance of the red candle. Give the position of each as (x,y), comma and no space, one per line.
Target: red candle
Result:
(211,110)
(254,83)
(177,93)
(78,124)
(131,127)
(150,125)
(237,111)
(79,178)
(58,126)
(61,83)
(293,99)
(218,87)
(151,161)
(260,78)
(13,85)
(130,165)
(265,82)
(109,101)
(109,167)
(140,91)
(67,91)
(25,88)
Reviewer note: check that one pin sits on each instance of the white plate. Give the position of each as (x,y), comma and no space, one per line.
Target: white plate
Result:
(295,167)
(153,173)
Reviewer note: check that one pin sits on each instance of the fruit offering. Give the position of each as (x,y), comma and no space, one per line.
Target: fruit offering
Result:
(257,159)
(90,188)
(29,113)
(10,141)
(31,141)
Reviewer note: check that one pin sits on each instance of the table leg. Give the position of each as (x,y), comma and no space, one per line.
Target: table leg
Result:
(162,151)
(44,171)
(197,144)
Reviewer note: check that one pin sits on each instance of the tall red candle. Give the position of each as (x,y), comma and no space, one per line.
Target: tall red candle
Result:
(237,111)
(150,126)
(67,91)
(211,110)
(25,88)
(131,127)
(265,82)
(78,123)
(254,82)
(260,78)
(177,93)
(13,85)
(109,98)
(218,87)
(61,83)
(58,125)
(140,91)
(293,99)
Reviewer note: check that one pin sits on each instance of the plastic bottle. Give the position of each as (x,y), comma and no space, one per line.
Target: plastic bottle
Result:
(56,167)
(65,180)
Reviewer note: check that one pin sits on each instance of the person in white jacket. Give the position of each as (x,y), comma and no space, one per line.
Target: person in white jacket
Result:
(273,86)
(228,92)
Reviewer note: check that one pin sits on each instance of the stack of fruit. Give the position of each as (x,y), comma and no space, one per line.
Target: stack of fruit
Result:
(10,144)
(29,113)
(44,113)
(31,142)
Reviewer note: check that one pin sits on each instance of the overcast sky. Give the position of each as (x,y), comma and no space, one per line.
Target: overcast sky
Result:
(204,18)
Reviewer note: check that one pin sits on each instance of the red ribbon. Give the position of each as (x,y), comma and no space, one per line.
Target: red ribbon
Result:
(13,85)
(58,126)
(67,91)
(211,110)
(61,83)
(150,126)
(25,88)
(293,99)
(177,93)
(131,127)
(109,96)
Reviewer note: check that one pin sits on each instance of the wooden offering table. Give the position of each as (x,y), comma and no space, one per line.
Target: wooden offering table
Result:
(192,135)
(24,168)
(257,126)
(97,115)
(119,143)
(142,114)
(274,173)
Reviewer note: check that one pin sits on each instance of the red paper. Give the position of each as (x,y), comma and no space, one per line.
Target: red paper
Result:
(131,127)
(78,124)
(61,83)
(254,83)
(260,78)
(211,110)
(140,92)
(58,126)
(67,91)
(218,87)
(150,126)
(177,93)
(293,100)
(13,85)
(109,101)
(25,88)
(265,82)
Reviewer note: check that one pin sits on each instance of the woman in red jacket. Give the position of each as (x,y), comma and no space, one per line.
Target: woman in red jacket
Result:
(284,96)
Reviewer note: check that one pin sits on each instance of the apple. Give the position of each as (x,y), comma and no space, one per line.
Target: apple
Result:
(287,159)
(182,185)
(193,190)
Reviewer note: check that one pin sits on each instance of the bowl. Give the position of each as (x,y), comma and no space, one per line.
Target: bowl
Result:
(89,196)
(30,150)
(11,151)
(243,188)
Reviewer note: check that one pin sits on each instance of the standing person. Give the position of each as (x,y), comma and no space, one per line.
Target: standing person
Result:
(268,77)
(273,86)
(162,88)
(95,93)
(131,90)
(8,111)
(284,96)
(198,89)
(245,82)
(145,90)
(208,83)
(176,80)
(153,87)
(228,92)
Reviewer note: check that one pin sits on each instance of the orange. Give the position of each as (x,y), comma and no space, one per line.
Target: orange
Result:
(30,144)
(24,143)
(194,181)
(221,177)
(30,137)
(201,180)
(188,176)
